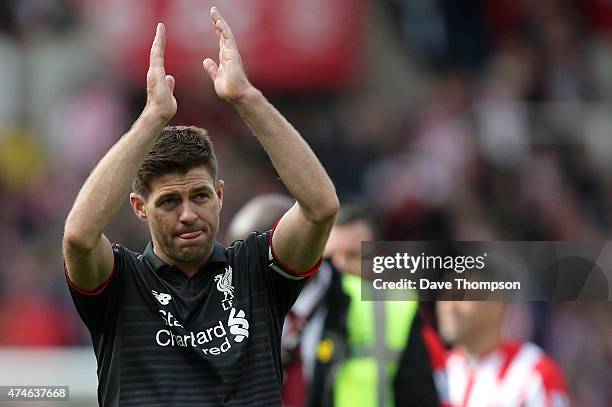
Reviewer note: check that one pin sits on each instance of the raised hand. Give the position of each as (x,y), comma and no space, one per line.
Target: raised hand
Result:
(160,87)
(229,78)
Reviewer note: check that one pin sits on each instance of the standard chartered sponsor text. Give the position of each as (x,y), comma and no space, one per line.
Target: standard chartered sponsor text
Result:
(457,283)
(216,336)
(166,337)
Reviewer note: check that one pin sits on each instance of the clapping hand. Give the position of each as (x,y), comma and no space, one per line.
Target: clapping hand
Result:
(160,87)
(229,78)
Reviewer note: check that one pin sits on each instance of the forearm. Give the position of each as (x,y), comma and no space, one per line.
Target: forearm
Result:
(105,189)
(295,162)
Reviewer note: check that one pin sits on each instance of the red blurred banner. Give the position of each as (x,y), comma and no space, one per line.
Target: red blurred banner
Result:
(285,44)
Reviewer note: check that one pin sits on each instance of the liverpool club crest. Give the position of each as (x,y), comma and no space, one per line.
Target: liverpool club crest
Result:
(224,285)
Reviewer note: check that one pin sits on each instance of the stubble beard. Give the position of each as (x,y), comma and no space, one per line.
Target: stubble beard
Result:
(190,254)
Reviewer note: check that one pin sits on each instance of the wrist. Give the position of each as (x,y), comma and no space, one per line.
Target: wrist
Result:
(151,118)
(248,97)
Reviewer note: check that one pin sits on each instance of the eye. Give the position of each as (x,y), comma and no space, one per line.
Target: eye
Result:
(200,197)
(168,202)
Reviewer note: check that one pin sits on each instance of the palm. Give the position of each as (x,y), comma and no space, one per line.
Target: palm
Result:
(229,79)
(221,81)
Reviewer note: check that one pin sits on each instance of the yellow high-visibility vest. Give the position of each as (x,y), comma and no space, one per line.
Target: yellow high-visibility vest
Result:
(377,334)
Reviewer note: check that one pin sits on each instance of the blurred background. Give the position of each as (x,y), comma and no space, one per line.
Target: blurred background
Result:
(453,120)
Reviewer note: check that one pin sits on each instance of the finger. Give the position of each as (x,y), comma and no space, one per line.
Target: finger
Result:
(222,39)
(158,47)
(220,24)
(221,44)
(211,68)
(171,82)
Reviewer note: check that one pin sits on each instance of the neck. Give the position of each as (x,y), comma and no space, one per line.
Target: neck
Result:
(481,344)
(189,268)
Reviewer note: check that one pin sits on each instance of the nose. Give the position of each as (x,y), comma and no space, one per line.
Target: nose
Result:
(188,215)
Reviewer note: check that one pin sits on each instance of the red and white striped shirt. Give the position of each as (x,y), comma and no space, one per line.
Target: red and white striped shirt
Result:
(513,375)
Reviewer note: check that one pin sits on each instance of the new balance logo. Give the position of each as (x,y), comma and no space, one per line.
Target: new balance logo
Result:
(163,298)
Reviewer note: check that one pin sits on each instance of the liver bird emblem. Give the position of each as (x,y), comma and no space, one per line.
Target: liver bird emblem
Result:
(224,285)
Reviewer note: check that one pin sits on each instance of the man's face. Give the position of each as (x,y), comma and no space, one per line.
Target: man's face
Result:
(344,246)
(182,211)
(461,321)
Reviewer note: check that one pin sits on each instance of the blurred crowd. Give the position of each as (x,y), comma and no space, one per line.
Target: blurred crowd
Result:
(497,128)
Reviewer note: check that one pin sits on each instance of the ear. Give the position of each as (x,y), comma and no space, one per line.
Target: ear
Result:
(219,192)
(138,206)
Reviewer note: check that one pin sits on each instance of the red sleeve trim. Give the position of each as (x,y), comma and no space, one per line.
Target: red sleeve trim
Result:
(510,349)
(552,377)
(288,268)
(95,291)
(435,347)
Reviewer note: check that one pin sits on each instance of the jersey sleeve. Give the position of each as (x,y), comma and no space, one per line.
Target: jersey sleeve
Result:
(99,307)
(550,389)
(282,283)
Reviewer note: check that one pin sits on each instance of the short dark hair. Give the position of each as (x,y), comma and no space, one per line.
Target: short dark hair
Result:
(177,149)
(353,212)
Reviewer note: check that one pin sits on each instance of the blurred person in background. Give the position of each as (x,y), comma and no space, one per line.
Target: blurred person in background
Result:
(161,304)
(483,369)
(259,214)
(360,358)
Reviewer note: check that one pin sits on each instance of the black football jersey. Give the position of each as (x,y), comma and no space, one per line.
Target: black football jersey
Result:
(164,339)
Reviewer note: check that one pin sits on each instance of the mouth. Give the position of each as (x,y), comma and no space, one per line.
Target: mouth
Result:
(191,235)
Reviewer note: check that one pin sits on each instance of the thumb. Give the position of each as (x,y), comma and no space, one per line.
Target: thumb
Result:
(211,68)
(170,81)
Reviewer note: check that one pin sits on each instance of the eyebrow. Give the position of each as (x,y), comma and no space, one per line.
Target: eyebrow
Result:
(200,188)
(166,195)
(169,194)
